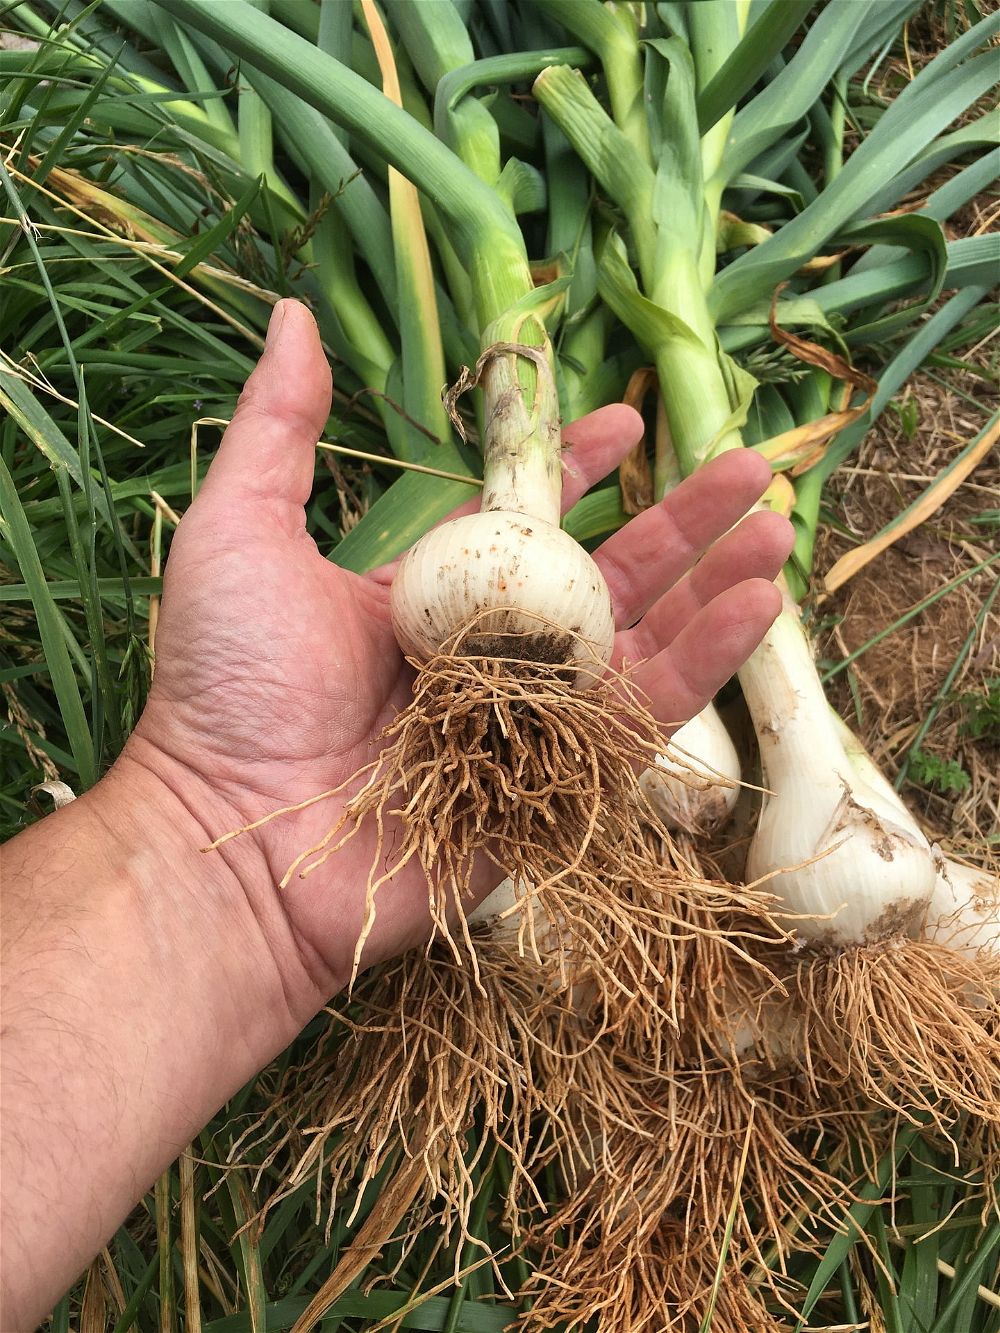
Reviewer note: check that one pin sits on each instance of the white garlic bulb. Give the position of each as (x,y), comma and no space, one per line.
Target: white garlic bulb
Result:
(510,586)
(852,862)
(695,784)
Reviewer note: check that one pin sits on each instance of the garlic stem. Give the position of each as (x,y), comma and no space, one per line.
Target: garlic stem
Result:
(522,469)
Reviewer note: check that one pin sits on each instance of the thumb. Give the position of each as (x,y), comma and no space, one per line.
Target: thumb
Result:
(268,452)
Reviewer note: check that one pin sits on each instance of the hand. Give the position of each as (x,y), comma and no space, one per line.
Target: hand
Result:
(276,670)
(143,982)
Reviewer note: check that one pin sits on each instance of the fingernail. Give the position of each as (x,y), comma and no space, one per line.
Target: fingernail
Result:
(274,324)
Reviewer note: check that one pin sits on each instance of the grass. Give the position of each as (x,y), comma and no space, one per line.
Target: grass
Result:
(142,243)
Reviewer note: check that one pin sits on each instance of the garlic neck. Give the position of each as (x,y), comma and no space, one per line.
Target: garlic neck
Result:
(522,464)
(797,739)
(507,584)
(844,854)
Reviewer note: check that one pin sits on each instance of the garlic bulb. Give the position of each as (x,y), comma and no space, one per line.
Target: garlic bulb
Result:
(964,909)
(524,589)
(508,582)
(772,1036)
(503,911)
(695,785)
(835,848)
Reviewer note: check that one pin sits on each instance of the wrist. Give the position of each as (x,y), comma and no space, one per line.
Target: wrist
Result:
(140,991)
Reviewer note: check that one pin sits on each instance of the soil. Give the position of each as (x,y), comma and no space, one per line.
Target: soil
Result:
(896,683)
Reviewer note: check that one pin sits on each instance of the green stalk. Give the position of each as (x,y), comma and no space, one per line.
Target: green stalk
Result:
(611,33)
(489,241)
(521,447)
(610,157)
(583,365)
(674,325)
(254,124)
(314,142)
(437,41)
(716,32)
(519,422)
(422,355)
(347,304)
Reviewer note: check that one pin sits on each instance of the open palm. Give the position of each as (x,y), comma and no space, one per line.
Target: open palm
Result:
(276,670)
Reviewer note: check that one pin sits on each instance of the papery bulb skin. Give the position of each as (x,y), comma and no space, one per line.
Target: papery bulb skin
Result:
(496,909)
(518,921)
(849,858)
(509,586)
(867,876)
(683,787)
(964,910)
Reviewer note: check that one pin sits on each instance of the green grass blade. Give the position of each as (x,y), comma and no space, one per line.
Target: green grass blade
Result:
(858,1217)
(103,688)
(18,400)
(909,615)
(55,151)
(967,1280)
(311,138)
(51,629)
(762,43)
(377,1305)
(788,97)
(945,687)
(899,370)
(86,30)
(918,1281)
(939,93)
(885,1276)
(405,512)
(248,1253)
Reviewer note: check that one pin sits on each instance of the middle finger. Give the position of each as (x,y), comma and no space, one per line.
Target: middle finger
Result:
(647,556)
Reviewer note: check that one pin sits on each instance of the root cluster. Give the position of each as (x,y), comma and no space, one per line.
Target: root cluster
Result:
(702,1099)
(504,760)
(907,1025)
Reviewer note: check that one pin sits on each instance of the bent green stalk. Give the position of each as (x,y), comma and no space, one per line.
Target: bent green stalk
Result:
(488,239)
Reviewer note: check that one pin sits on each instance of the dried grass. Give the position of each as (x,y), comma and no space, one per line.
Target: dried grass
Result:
(888,690)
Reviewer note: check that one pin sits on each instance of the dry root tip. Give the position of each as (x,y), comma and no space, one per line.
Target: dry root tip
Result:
(437,1049)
